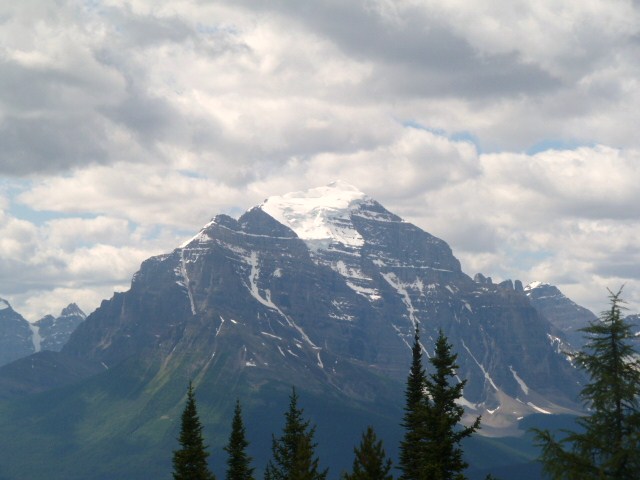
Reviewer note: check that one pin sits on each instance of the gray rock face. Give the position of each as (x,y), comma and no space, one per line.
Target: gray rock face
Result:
(15,335)
(54,332)
(561,311)
(634,321)
(329,292)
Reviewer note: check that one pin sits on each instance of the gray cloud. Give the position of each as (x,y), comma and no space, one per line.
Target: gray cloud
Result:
(36,145)
(155,116)
(415,55)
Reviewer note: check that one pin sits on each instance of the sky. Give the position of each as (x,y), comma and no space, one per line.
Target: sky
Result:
(508,128)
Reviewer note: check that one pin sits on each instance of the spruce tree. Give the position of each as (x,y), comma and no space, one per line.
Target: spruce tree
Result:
(608,446)
(412,445)
(442,451)
(370,461)
(238,462)
(293,454)
(190,461)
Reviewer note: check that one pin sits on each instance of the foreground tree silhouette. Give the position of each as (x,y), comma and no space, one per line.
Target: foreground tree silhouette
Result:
(293,453)
(413,444)
(370,462)
(430,449)
(190,461)
(238,462)
(608,447)
(443,453)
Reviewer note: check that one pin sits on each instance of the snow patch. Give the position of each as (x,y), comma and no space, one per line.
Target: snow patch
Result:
(4,304)
(466,403)
(538,409)
(523,386)
(399,287)
(533,285)
(271,335)
(220,327)
(35,336)
(200,237)
(370,293)
(486,374)
(320,364)
(185,283)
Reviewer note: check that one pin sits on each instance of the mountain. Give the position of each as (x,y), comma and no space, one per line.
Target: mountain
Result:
(15,334)
(634,321)
(53,332)
(319,289)
(561,311)
(19,338)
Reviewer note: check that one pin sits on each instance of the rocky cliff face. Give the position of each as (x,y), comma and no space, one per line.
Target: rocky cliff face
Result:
(561,311)
(54,332)
(15,335)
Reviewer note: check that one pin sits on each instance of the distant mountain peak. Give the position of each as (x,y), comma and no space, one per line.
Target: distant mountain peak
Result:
(537,284)
(560,310)
(72,309)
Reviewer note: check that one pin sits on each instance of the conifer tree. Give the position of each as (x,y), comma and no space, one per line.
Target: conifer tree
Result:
(412,445)
(293,454)
(443,453)
(608,447)
(190,461)
(370,462)
(238,462)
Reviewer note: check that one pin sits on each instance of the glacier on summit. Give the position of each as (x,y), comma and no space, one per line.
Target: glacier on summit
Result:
(320,216)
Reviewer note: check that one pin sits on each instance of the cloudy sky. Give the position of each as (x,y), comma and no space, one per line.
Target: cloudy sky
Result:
(508,128)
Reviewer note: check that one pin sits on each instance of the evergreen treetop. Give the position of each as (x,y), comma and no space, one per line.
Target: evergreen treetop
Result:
(238,461)
(443,415)
(293,453)
(413,421)
(430,449)
(370,461)
(190,460)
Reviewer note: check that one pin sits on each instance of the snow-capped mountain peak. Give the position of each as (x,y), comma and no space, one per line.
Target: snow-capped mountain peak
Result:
(321,213)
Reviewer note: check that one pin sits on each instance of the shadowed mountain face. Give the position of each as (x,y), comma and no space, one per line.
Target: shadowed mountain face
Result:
(341,291)
(15,335)
(19,338)
(54,332)
(318,289)
(562,312)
